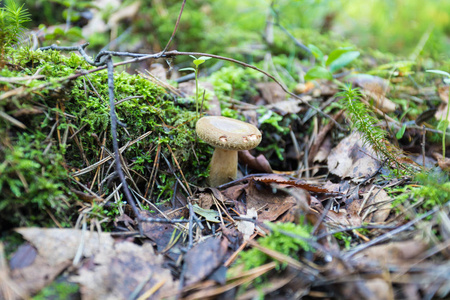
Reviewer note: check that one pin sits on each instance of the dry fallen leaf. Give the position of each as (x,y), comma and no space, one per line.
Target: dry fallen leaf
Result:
(444,163)
(441,113)
(269,203)
(271,92)
(258,164)
(204,258)
(380,205)
(342,218)
(324,150)
(380,289)
(59,245)
(246,227)
(395,252)
(109,270)
(350,158)
(161,233)
(123,269)
(285,107)
(376,88)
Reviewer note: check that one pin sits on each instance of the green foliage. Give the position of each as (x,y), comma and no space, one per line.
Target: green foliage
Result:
(197,62)
(344,237)
(363,121)
(58,290)
(12,18)
(434,190)
(234,82)
(279,127)
(279,242)
(38,180)
(398,26)
(335,61)
(32,181)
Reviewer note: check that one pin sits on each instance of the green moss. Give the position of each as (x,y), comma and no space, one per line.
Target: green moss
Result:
(279,242)
(434,189)
(59,289)
(37,162)
(32,181)
(233,81)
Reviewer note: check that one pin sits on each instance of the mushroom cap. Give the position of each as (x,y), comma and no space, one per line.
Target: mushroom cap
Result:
(227,133)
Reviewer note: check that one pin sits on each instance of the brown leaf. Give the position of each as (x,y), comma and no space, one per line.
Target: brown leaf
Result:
(258,164)
(119,271)
(343,218)
(40,273)
(321,137)
(56,249)
(115,271)
(395,252)
(246,227)
(324,150)
(205,200)
(271,92)
(204,258)
(285,107)
(235,192)
(59,245)
(23,257)
(283,182)
(376,88)
(380,289)
(351,159)
(270,203)
(233,236)
(444,163)
(160,233)
(380,204)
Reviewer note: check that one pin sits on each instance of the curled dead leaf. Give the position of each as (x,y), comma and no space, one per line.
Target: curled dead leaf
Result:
(351,158)
(259,163)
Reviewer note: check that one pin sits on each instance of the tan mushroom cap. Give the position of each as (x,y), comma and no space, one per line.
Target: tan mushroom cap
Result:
(227,133)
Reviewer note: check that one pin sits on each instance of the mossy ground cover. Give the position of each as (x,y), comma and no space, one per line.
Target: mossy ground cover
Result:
(67,128)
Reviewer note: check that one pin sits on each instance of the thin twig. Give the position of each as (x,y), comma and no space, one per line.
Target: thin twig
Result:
(100,59)
(175,29)
(114,124)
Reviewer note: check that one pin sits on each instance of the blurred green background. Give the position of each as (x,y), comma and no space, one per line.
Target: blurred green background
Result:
(401,27)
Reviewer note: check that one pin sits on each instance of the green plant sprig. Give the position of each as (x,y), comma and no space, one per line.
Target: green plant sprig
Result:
(12,18)
(197,62)
(363,121)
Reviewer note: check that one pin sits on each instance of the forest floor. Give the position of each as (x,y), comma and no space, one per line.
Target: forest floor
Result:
(346,196)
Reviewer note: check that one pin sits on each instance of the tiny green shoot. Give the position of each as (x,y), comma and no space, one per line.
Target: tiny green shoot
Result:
(197,62)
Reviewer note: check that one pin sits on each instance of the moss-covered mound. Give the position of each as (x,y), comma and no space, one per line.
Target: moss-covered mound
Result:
(55,127)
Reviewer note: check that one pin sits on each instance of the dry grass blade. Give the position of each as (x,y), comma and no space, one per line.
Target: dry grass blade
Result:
(243,278)
(99,163)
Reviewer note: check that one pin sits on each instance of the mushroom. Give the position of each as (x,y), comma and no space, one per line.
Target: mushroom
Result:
(227,136)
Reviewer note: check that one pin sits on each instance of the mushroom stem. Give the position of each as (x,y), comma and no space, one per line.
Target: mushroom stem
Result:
(223,166)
